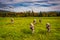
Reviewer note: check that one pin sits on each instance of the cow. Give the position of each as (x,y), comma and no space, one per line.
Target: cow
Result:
(12,20)
(32,27)
(34,21)
(40,20)
(48,27)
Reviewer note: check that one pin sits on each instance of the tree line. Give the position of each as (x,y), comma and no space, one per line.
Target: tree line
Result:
(29,14)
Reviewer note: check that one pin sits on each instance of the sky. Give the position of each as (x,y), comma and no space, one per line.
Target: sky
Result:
(29,5)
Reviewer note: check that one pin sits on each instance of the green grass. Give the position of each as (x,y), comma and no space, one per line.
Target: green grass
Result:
(20,30)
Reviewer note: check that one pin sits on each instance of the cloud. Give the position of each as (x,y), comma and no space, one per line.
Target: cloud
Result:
(54,1)
(26,5)
(36,9)
(17,1)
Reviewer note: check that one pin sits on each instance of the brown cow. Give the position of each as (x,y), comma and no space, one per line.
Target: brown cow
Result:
(40,20)
(12,20)
(34,21)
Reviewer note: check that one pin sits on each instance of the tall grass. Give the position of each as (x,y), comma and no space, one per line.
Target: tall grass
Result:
(20,29)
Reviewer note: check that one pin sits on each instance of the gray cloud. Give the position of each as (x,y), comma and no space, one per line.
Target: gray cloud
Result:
(36,5)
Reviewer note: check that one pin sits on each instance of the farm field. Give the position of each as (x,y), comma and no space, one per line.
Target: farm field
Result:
(20,30)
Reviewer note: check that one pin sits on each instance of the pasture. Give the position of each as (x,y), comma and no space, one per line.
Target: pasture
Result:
(20,30)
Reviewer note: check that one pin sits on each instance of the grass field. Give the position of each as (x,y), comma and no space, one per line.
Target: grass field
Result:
(20,30)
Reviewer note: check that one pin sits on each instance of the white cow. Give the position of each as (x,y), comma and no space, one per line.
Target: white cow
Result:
(32,27)
(48,27)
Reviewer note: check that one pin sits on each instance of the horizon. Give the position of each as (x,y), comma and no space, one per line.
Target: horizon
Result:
(29,5)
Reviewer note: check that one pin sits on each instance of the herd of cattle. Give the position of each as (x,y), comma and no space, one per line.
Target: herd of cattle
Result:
(33,23)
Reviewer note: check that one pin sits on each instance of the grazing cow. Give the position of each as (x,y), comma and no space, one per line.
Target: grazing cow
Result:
(48,27)
(32,27)
(39,20)
(34,21)
(12,20)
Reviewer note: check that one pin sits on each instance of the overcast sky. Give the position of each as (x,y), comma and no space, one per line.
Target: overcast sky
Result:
(29,5)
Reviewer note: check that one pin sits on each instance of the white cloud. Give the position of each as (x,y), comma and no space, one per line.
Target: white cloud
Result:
(36,9)
(16,1)
(22,9)
(54,1)
(29,8)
